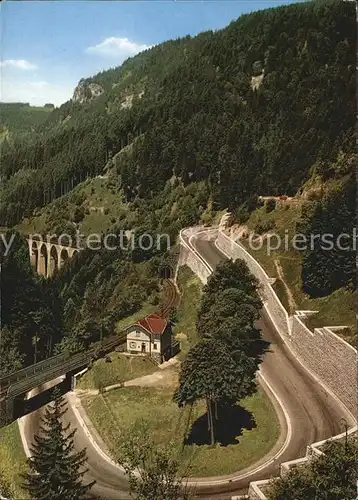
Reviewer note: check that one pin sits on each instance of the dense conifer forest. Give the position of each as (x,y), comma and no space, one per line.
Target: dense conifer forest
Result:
(203,114)
(186,128)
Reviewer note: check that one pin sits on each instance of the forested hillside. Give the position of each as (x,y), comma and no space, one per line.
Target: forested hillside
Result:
(77,307)
(178,133)
(18,118)
(252,108)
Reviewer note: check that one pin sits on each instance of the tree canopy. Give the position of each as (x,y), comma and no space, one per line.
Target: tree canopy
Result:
(221,367)
(331,476)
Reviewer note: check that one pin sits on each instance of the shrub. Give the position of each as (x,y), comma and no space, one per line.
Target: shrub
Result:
(270,205)
(241,215)
(332,475)
(264,227)
(78,214)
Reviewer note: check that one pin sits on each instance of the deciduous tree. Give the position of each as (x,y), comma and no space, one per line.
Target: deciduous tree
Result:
(331,476)
(152,471)
(210,373)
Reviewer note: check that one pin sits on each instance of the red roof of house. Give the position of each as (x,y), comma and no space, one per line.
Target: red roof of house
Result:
(153,324)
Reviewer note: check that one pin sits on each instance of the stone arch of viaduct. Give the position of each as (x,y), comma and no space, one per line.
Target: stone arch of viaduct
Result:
(47,257)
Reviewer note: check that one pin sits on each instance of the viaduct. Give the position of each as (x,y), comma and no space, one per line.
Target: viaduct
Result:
(47,257)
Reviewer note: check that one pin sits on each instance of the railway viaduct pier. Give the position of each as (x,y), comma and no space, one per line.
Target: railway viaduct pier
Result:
(46,257)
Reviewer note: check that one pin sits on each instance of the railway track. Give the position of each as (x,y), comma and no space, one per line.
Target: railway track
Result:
(171,298)
(29,376)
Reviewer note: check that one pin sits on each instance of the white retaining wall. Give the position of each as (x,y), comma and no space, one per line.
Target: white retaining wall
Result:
(257,488)
(192,260)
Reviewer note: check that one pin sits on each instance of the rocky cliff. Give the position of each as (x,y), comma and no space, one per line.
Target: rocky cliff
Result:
(86,92)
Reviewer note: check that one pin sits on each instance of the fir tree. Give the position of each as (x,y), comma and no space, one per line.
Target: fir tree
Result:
(56,470)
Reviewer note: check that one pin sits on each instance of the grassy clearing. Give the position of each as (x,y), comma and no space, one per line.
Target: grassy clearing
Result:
(282,219)
(120,369)
(32,225)
(102,203)
(190,287)
(12,458)
(281,292)
(261,255)
(146,309)
(338,309)
(245,434)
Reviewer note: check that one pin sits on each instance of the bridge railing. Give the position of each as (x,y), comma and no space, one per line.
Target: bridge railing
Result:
(31,370)
(28,383)
(20,380)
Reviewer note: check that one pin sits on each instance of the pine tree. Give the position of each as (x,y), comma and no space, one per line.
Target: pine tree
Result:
(56,470)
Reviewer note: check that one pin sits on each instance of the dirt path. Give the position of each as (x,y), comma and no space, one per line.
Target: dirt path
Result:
(280,273)
(164,377)
(160,378)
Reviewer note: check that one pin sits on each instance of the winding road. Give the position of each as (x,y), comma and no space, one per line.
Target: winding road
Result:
(312,414)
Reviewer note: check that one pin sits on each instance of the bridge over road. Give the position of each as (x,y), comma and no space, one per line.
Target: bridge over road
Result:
(14,387)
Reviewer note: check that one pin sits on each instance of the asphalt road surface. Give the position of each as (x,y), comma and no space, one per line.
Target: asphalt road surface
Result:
(314,414)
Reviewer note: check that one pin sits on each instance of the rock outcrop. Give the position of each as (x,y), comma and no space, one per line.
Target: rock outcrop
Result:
(86,92)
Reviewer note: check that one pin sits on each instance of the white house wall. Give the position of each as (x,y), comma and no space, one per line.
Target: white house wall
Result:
(138,337)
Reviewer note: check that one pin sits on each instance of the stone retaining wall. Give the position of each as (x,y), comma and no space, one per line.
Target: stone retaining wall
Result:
(272,304)
(330,358)
(192,260)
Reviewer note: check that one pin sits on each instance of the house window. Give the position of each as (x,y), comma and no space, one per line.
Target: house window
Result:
(155,347)
(137,333)
(133,345)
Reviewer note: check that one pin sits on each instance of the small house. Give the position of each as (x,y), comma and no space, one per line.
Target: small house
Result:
(152,336)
